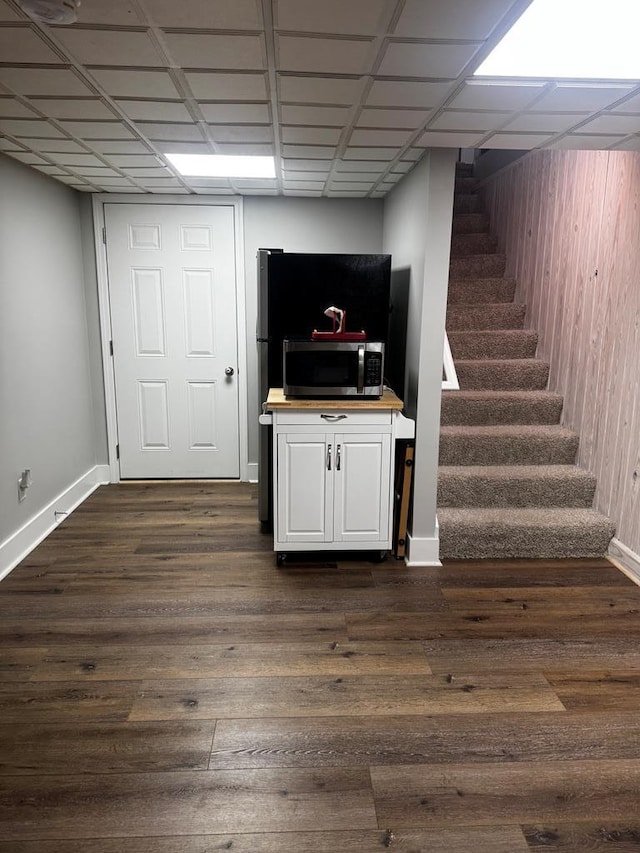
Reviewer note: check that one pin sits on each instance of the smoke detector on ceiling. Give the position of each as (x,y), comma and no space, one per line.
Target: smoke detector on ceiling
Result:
(52,11)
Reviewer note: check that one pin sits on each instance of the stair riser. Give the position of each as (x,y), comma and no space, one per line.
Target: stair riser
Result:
(518,450)
(481,317)
(505,344)
(503,376)
(472,244)
(469,291)
(467,203)
(470,223)
(465,184)
(513,543)
(495,413)
(477,266)
(472,491)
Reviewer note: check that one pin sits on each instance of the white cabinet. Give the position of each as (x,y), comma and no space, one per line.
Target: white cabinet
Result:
(333,476)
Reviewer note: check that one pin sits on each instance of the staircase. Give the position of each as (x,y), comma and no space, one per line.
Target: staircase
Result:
(508,486)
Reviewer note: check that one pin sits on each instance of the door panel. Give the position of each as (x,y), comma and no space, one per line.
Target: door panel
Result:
(305,511)
(172,285)
(362,487)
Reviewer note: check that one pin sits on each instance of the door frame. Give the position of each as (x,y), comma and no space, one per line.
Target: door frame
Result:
(99,230)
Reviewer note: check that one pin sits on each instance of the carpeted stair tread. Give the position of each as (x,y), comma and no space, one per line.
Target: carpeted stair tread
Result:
(465,183)
(495,315)
(522,533)
(486,408)
(470,223)
(515,486)
(495,343)
(516,374)
(476,290)
(466,203)
(477,266)
(463,245)
(507,445)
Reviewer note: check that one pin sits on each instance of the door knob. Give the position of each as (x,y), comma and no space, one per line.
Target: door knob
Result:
(229,371)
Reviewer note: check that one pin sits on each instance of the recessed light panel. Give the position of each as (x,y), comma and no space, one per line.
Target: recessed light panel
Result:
(586,39)
(223,166)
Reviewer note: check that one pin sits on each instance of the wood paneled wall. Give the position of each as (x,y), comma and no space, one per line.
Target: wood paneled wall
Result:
(569,222)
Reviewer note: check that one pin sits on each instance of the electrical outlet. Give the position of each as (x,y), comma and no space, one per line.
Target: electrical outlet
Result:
(24,481)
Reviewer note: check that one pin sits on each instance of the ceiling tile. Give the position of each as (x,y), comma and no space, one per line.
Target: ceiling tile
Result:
(155,110)
(330,56)
(97,172)
(304,185)
(496,96)
(312,135)
(318,90)
(11,108)
(321,152)
(357,17)
(402,167)
(241,133)
(342,194)
(221,15)
(177,147)
(411,119)
(568,98)
(380,137)
(212,86)
(27,157)
(516,141)
(352,186)
(161,182)
(68,179)
(181,132)
(612,123)
(367,177)
(292,175)
(245,148)
(455,19)
(107,181)
(209,182)
(50,170)
(56,145)
(97,129)
(582,142)
(150,172)
(116,12)
(255,183)
(433,139)
(28,128)
(21,44)
(630,106)
(364,166)
(413,154)
(71,159)
(303,193)
(551,122)
(8,145)
(109,47)
(135,84)
(307,165)
(236,113)
(217,191)
(116,146)
(371,153)
(407,59)
(7,14)
(43,81)
(204,50)
(396,93)
(73,108)
(631,144)
(310,116)
(169,190)
(468,121)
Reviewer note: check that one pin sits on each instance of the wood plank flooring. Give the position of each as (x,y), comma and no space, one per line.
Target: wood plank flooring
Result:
(164,688)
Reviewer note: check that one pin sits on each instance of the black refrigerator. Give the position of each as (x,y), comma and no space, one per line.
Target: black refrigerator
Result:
(294,289)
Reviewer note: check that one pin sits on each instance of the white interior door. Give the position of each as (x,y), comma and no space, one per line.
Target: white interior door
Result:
(172,286)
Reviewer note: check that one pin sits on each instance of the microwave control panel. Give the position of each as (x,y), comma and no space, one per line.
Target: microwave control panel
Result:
(373,368)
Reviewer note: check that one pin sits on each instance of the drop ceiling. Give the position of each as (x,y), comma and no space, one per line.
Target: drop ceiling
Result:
(346,94)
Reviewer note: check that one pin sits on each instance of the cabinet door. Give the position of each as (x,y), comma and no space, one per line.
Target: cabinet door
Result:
(362,487)
(305,487)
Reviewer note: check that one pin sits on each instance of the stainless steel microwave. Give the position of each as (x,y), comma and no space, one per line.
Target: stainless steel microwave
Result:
(333,368)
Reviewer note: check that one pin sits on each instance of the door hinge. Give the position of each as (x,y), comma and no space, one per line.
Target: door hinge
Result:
(110,347)
(117,451)
(104,236)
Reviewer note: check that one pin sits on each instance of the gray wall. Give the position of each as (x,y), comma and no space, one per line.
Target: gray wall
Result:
(417,232)
(299,225)
(46,402)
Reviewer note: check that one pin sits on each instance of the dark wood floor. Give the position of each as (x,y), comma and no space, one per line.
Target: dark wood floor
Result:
(164,688)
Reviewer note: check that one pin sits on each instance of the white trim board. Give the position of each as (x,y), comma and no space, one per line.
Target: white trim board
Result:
(423,550)
(625,559)
(236,202)
(14,549)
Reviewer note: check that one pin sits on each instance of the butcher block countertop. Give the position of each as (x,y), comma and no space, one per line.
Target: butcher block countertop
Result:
(277,400)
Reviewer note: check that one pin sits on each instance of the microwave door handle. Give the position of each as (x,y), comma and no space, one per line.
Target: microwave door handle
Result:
(360,369)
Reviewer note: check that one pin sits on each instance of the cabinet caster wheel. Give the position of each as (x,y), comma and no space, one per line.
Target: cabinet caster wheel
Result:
(380,556)
(281,559)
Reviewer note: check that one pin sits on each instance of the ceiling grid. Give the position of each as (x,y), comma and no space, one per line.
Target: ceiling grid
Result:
(345,94)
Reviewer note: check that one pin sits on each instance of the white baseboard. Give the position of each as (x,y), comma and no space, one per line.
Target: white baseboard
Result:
(423,550)
(626,559)
(14,549)
(252,472)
